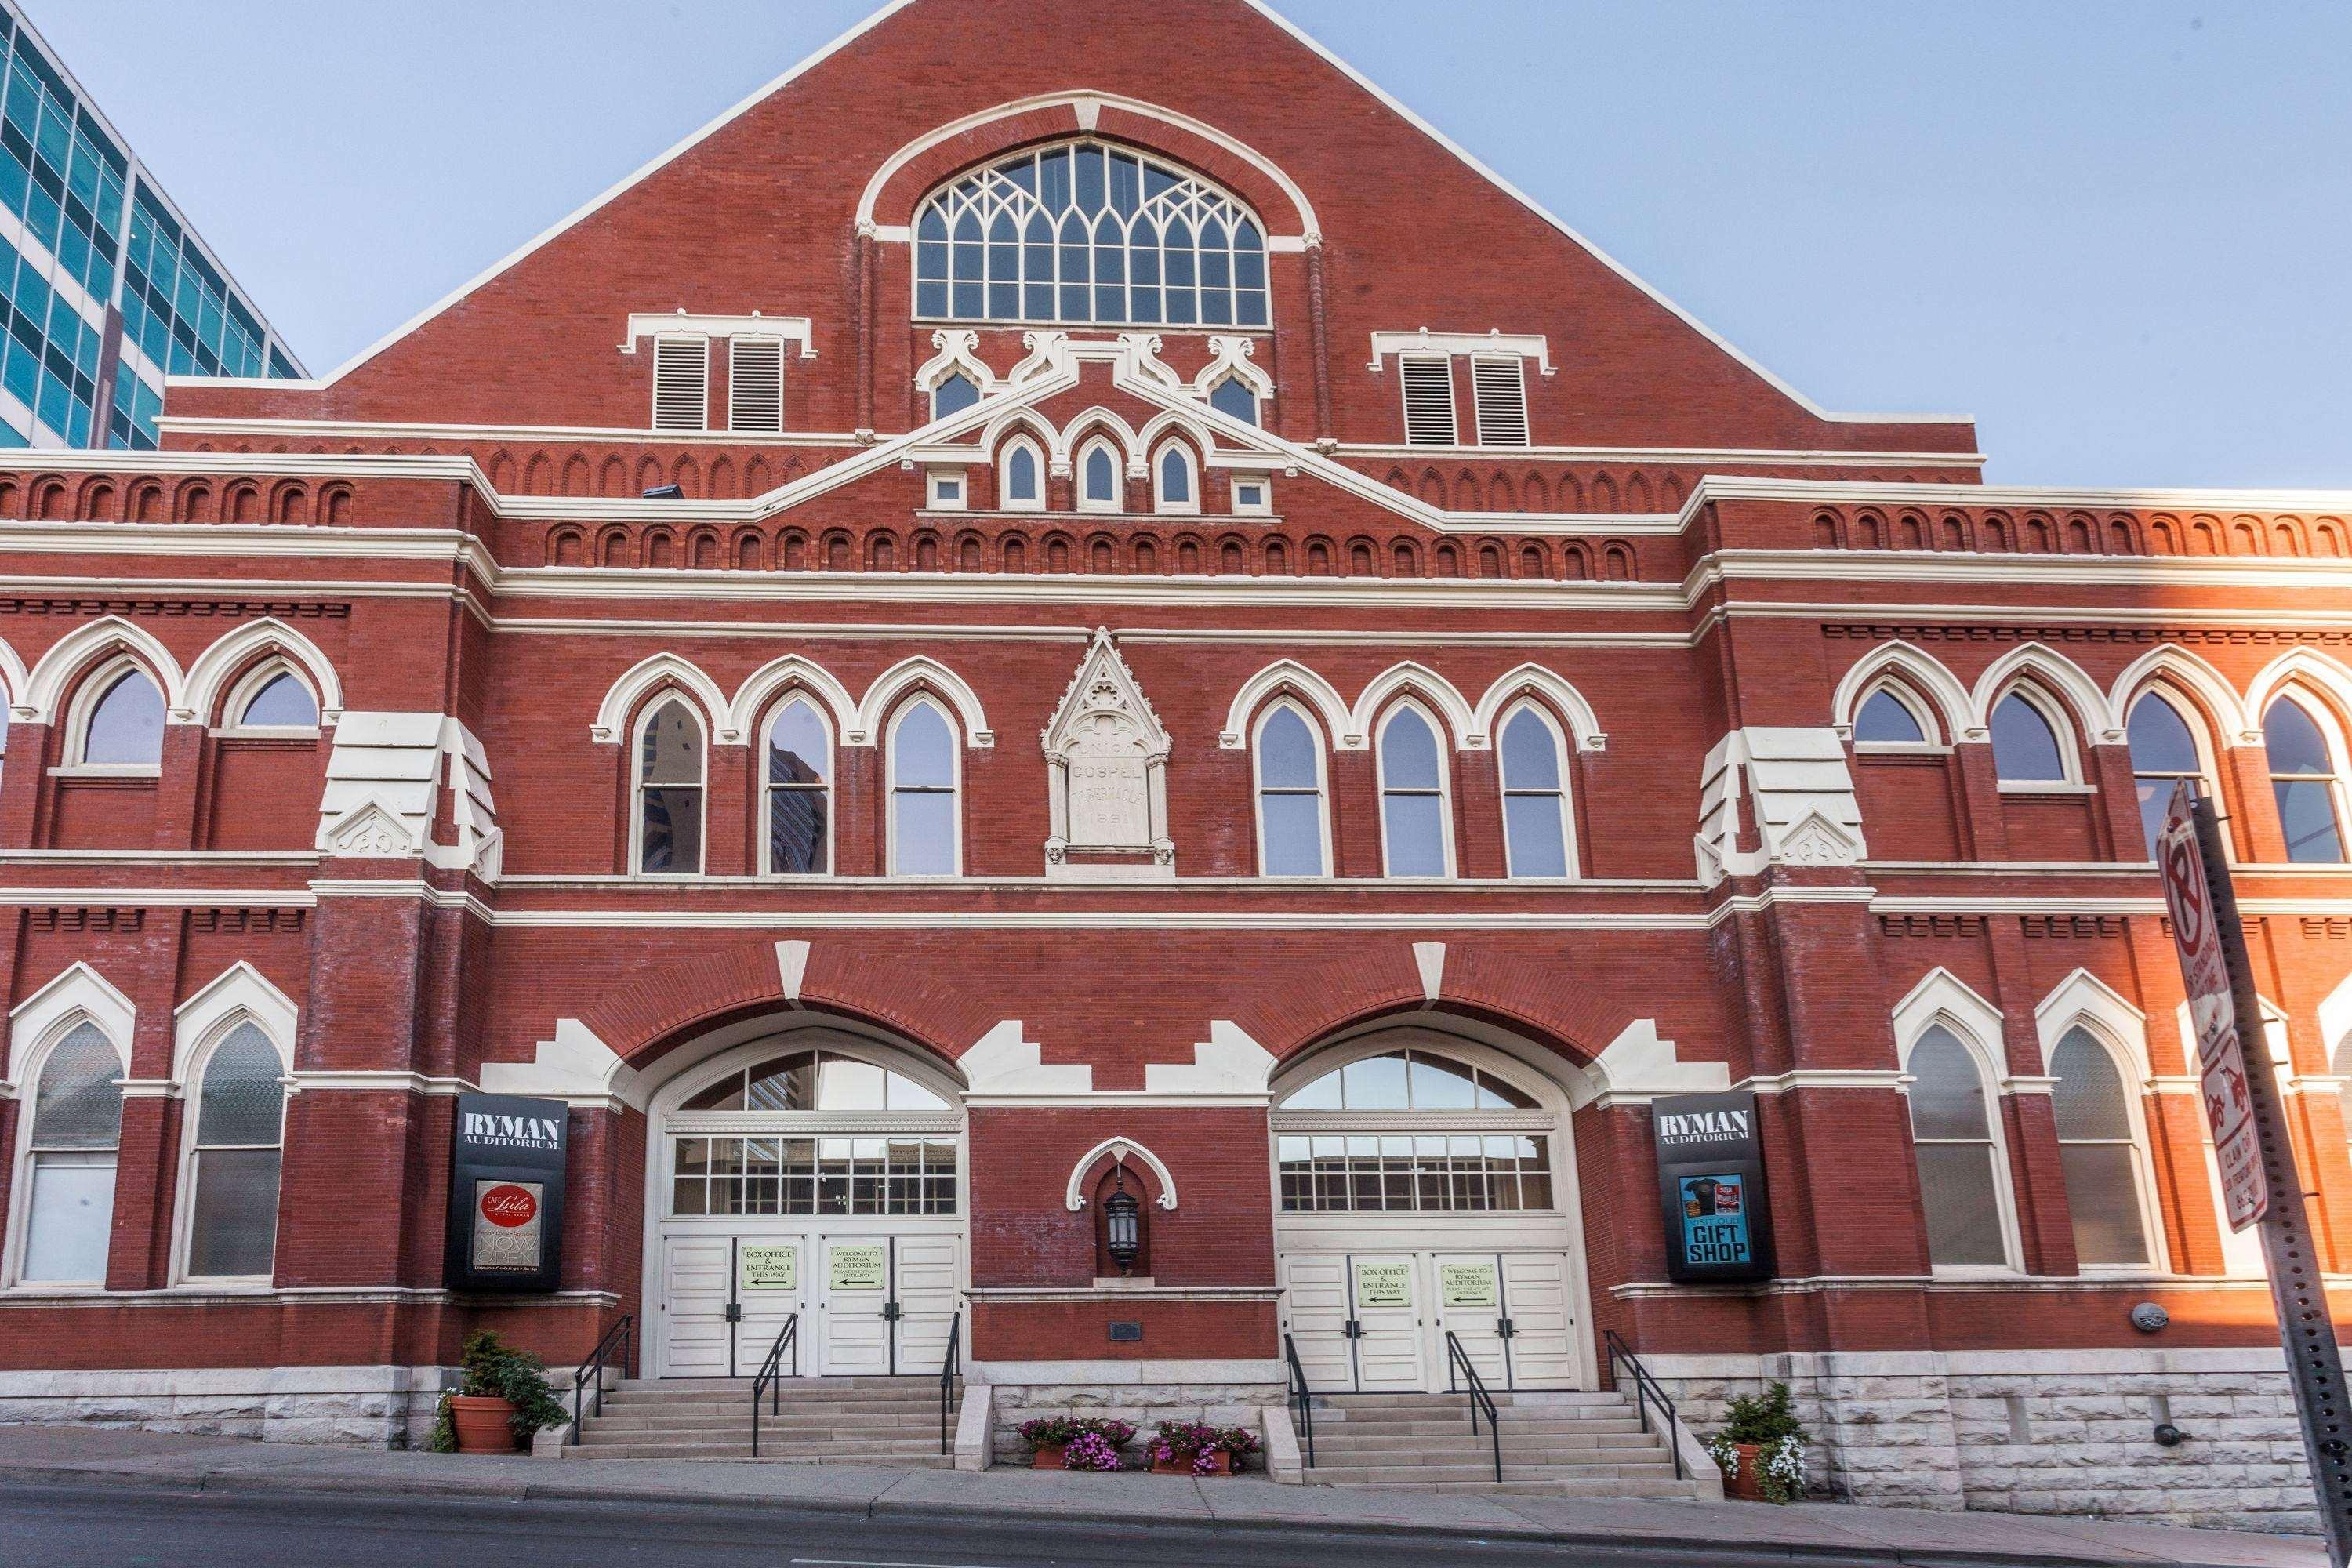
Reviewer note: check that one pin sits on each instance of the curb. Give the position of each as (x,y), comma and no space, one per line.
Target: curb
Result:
(263,1480)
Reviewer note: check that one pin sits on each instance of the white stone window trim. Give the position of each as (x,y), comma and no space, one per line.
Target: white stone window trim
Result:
(200,1027)
(634,755)
(1116,501)
(224,661)
(1321,738)
(2084,1001)
(251,684)
(1943,998)
(1925,679)
(1263,506)
(914,698)
(2322,716)
(37,1027)
(1444,744)
(2192,716)
(822,708)
(1183,452)
(643,324)
(1495,343)
(1564,753)
(1005,500)
(947,490)
(2053,712)
(959,353)
(1921,714)
(100,681)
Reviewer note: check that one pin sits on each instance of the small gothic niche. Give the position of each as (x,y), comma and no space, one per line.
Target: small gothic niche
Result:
(1107,765)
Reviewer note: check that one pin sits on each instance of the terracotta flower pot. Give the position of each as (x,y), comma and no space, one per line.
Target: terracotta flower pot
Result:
(1050,1457)
(1183,1466)
(485,1424)
(1743,1482)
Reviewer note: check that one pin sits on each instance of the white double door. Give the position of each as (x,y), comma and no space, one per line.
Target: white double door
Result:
(1377,1319)
(873,1300)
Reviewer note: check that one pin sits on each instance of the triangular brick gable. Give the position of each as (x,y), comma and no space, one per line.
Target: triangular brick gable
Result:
(758,212)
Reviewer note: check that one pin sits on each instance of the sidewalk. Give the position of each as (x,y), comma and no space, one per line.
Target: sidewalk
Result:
(88,1456)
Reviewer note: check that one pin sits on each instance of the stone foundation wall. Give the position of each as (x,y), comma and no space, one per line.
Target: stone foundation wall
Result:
(2064,1432)
(1222,1393)
(349,1406)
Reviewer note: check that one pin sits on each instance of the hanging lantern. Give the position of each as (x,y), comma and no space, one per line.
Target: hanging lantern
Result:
(1122,1224)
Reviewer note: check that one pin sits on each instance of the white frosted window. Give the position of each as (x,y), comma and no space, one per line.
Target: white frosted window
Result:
(1885,721)
(2097,1151)
(1535,805)
(1957,1181)
(241,1114)
(1290,796)
(126,724)
(2024,748)
(77,1127)
(2163,754)
(1413,799)
(922,795)
(669,793)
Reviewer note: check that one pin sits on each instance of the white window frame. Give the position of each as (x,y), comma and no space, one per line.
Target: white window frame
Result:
(735,347)
(635,754)
(249,686)
(1405,365)
(1444,786)
(1565,754)
(1931,744)
(1942,999)
(1117,501)
(2054,714)
(934,497)
(1517,366)
(102,679)
(702,400)
(890,781)
(1264,505)
(1005,498)
(1183,451)
(2200,737)
(2331,735)
(199,1060)
(816,705)
(1320,744)
(2132,1072)
(28,1065)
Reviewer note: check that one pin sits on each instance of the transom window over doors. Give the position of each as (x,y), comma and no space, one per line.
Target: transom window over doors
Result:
(786,1163)
(1389,1164)
(1084,233)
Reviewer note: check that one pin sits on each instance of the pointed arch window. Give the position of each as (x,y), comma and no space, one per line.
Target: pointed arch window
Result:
(1100,471)
(278,700)
(957,393)
(1175,485)
(1085,233)
(1021,477)
(800,791)
(124,726)
(1416,838)
(2163,752)
(1233,396)
(1963,1185)
(2099,1153)
(1536,840)
(669,790)
(236,1157)
(2026,744)
(72,1144)
(1888,717)
(2306,782)
(1291,836)
(924,817)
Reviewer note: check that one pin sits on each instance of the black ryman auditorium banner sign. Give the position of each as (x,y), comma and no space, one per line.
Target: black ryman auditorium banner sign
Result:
(506,1193)
(1711,1188)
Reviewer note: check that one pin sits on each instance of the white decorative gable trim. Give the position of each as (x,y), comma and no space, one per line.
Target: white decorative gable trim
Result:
(575,1067)
(1235,357)
(41,693)
(1638,1067)
(2083,999)
(238,992)
(1228,1064)
(1107,773)
(1001,1063)
(1289,677)
(1943,997)
(1526,345)
(959,351)
(678,323)
(384,780)
(1800,803)
(1119,1149)
(39,1020)
(648,675)
(1426,683)
(208,676)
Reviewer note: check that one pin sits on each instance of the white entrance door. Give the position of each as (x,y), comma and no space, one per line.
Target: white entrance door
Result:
(1470,1307)
(1543,1321)
(855,1332)
(1389,1322)
(771,1285)
(696,1342)
(1315,1312)
(926,1291)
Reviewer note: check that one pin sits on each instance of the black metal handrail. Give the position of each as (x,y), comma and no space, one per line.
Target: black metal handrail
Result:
(592,1369)
(950,1368)
(1302,1401)
(1646,1392)
(1456,1357)
(770,1381)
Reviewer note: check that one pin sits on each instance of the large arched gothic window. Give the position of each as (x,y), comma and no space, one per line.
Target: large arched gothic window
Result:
(923,815)
(124,725)
(2099,1153)
(1535,800)
(1088,234)
(2163,752)
(1961,1183)
(77,1130)
(669,790)
(2306,783)
(1290,834)
(1416,839)
(241,1118)
(800,791)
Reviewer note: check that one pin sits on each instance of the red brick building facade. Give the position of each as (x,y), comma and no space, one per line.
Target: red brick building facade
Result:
(1178,584)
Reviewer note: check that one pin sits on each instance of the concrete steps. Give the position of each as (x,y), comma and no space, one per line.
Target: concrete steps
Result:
(1567,1444)
(891,1421)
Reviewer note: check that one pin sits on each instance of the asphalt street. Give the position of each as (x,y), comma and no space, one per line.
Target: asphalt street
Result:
(65,1527)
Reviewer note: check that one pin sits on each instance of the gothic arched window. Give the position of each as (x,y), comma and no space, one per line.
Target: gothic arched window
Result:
(2163,752)
(1084,233)
(1963,1181)
(923,813)
(234,1162)
(800,794)
(669,790)
(1290,833)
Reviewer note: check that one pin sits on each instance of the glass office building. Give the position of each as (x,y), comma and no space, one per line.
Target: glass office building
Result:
(104,288)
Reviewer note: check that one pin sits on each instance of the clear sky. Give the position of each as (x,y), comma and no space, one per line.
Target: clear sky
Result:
(2118,232)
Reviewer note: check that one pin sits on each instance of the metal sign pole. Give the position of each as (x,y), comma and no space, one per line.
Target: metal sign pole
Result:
(2307,1328)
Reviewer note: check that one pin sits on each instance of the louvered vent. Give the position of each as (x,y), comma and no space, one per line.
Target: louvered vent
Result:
(681,383)
(1501,387)
(1428,400)
(755,384)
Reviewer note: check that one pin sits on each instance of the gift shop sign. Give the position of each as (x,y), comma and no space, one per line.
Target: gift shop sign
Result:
(2212,1011)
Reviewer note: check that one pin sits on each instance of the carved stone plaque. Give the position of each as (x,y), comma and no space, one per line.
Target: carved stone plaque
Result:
(1111,797)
